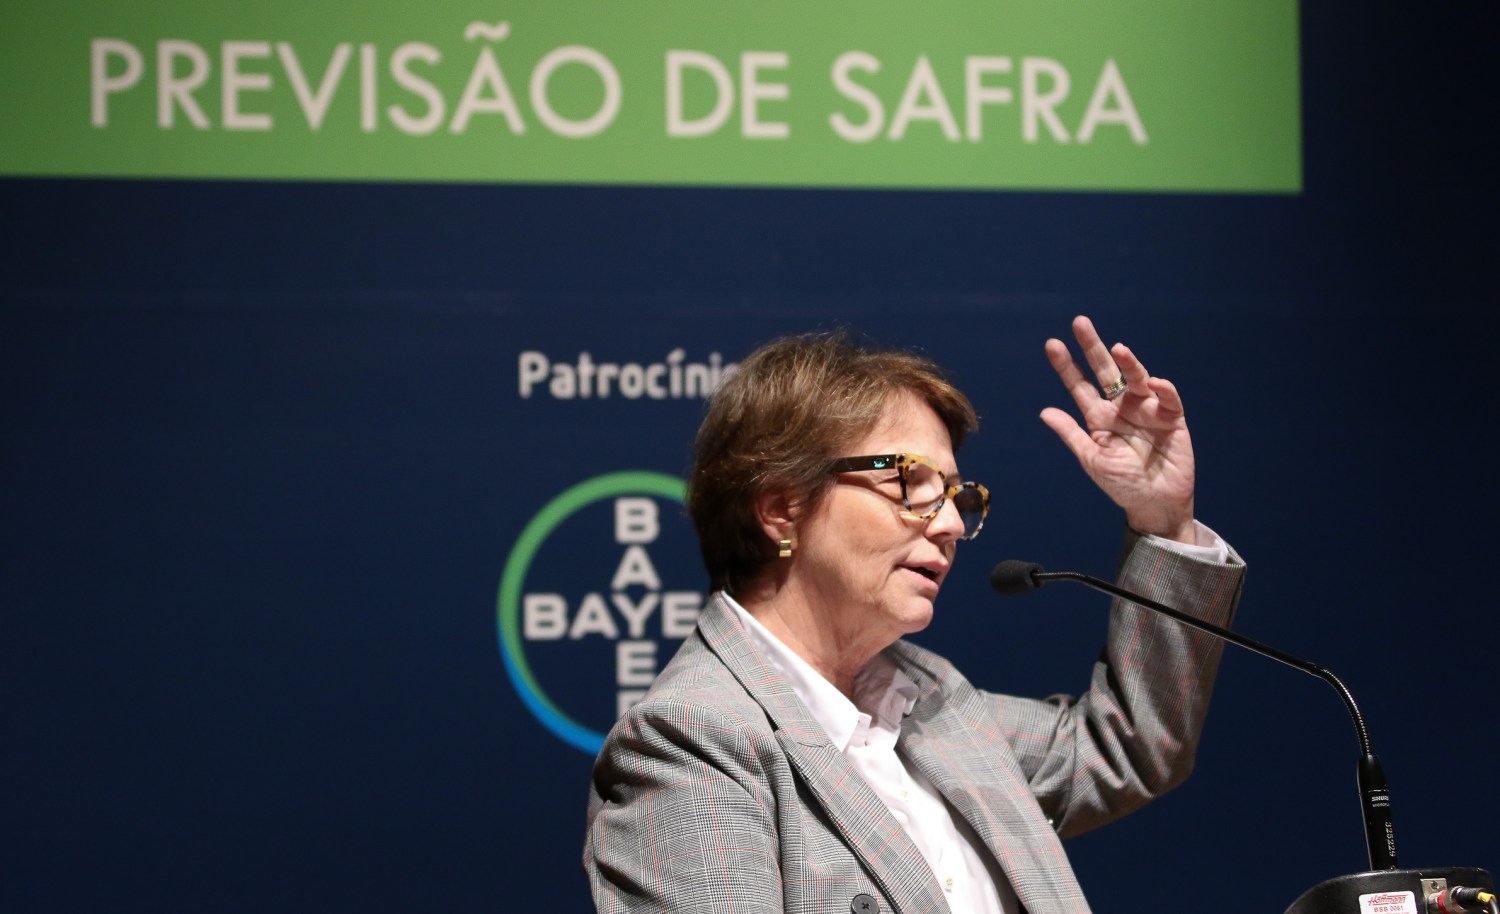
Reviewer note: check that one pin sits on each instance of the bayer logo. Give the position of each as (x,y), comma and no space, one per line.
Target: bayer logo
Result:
(597,594)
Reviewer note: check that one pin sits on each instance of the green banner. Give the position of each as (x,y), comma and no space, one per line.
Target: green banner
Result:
(1169,95)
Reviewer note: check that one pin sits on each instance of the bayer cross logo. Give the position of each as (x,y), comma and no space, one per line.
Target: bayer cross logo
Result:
(591,604)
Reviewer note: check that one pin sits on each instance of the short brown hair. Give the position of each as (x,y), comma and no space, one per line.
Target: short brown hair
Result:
(789,410)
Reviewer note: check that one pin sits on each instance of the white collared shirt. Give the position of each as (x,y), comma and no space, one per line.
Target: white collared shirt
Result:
(865,730)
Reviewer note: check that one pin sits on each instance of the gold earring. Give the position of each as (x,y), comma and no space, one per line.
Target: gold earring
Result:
(784,549)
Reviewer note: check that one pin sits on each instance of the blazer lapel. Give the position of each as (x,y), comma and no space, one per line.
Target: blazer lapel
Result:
(867,826)
(980,778)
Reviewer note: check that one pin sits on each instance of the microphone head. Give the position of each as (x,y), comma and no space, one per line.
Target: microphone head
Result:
(1014,576)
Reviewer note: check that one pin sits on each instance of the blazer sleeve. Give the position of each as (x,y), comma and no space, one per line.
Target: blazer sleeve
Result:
(1134,734)
(680,819)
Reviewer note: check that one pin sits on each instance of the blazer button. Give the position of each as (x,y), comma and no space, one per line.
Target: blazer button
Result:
(864,904)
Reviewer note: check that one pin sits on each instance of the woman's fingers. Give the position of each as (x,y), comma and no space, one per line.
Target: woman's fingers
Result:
(1084,393)
(1106,372)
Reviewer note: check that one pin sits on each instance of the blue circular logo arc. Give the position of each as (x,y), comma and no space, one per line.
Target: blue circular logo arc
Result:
(513,579)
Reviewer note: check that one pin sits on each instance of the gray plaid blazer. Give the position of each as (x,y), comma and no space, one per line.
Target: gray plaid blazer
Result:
(719,792)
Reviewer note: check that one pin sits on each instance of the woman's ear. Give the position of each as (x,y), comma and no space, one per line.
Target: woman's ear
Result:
(776,517)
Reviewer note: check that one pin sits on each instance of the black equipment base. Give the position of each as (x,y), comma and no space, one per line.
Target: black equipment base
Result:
(1342,895)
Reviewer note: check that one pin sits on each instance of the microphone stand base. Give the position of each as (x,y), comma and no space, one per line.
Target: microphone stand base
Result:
(1358,893)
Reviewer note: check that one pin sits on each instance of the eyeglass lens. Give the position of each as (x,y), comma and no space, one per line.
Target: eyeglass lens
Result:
(925,487)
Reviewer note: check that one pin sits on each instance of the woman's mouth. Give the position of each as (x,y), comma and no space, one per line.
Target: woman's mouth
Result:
(927,573)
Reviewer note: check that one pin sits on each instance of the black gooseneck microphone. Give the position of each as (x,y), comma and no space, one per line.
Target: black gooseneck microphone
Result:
(1012,577)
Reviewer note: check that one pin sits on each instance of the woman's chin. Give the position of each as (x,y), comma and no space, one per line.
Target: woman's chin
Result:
(916,616)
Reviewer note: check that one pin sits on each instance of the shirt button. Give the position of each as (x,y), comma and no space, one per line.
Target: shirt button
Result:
(948,884)
(864,904)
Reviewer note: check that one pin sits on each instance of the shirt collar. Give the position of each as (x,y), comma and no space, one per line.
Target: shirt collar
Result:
(883,694)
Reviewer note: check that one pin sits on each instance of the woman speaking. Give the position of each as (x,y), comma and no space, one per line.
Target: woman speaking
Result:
(797,754)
